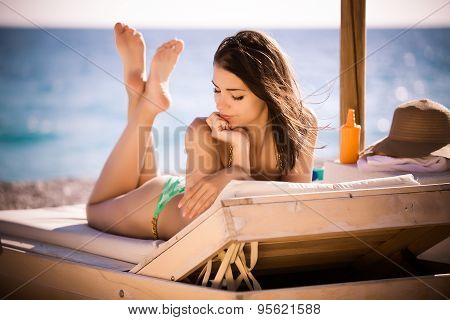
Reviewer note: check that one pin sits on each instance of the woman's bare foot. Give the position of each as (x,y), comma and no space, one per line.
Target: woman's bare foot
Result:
(131,47)
(163,63)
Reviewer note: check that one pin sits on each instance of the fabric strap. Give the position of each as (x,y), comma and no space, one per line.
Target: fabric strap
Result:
(234,254)
(174,186)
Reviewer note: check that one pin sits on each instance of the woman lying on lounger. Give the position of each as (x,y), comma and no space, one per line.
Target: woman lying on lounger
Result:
(262,130)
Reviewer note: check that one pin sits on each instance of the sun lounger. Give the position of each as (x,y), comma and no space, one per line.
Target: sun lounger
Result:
(256,231)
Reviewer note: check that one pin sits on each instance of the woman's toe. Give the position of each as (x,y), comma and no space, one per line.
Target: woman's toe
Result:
(171,43)
(179,45)
(163,47)
(118,27)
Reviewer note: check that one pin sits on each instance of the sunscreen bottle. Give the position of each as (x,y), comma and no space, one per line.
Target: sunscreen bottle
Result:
(349,139)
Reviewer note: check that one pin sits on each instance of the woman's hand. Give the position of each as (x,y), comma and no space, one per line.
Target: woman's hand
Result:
(221,130)
(203,194)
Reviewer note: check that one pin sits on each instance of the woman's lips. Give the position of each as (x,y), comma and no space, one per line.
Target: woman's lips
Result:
(227,117)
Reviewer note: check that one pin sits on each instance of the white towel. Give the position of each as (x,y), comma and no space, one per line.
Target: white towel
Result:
(385,163)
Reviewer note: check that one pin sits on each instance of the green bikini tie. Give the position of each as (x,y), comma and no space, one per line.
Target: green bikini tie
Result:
(173,186)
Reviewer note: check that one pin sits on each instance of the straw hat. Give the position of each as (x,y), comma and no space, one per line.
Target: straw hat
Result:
(419,128)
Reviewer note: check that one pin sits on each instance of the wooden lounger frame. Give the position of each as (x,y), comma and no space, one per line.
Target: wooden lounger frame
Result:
(309,232)
(356,228)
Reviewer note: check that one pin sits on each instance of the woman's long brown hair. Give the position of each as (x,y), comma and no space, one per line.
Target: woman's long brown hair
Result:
(259,62)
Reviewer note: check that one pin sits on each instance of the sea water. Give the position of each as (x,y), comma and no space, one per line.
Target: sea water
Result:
(63,104)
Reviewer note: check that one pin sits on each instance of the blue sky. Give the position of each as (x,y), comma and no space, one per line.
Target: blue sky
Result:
(216,14)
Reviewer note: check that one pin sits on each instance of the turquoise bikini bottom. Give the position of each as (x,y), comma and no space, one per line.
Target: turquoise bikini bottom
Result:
(174,186)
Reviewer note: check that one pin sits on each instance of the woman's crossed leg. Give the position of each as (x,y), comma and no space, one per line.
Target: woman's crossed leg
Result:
(123,199)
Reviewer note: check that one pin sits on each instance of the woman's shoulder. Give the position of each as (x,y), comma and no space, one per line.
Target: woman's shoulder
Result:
(198,128)
(200,132)
(198,122)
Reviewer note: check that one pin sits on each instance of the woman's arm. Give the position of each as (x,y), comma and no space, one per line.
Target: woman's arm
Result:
(202,153)
(203,192)
(241,159)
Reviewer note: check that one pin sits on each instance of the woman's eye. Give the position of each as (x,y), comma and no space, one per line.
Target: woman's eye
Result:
(216,91)
(238,98)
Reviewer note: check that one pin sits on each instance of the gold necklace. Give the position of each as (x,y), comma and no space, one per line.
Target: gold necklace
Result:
(230,156)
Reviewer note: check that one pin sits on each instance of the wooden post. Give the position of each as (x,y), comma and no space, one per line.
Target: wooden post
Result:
(353,64)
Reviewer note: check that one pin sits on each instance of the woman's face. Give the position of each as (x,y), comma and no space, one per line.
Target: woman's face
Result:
(234,100)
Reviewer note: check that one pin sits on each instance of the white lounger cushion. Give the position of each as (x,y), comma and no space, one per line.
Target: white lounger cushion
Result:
(258,188)
(67,226)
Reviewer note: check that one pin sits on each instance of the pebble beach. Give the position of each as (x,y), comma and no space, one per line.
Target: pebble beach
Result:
(44,193)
